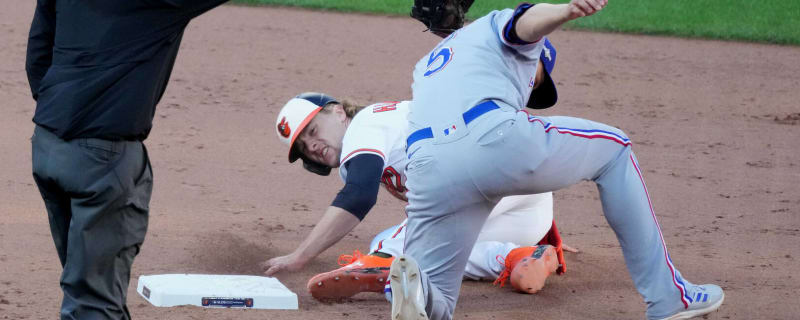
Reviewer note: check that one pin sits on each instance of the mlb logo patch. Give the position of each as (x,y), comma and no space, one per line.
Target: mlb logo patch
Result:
(449,131)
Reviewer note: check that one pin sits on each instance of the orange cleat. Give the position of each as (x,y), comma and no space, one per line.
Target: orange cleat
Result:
(529,267)
(359,273)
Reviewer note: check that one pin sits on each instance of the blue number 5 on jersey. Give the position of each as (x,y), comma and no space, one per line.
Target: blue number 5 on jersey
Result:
(438,60)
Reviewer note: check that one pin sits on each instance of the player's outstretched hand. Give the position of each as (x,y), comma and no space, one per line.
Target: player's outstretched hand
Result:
(567,248)
(283,263)
(585,8)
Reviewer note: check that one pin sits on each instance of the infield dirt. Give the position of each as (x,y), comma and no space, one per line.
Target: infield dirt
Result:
(715,125)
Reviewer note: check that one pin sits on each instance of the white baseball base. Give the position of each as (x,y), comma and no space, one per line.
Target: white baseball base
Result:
(216,291)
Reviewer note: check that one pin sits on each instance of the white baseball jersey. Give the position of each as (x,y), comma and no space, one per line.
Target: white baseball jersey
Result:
(380,129)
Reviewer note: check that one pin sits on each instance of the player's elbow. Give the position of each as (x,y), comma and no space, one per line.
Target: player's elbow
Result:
(356,200)
(363,205)
(540,20)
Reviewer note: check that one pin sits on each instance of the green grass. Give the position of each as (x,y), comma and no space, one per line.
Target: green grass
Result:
(771,21)
(391,7)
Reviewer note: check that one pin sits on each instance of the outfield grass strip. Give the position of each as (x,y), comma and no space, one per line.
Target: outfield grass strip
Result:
(769,21)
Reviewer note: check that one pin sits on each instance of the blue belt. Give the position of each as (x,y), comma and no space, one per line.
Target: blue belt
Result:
(471,114)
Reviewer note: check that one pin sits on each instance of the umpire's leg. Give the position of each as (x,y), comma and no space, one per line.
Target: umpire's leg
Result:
(97,195)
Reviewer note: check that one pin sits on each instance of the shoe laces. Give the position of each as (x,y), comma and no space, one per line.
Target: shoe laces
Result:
(347,259)
(503,275)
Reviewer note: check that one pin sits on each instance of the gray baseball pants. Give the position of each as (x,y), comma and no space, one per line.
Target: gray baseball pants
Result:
(97,195)
(453,184)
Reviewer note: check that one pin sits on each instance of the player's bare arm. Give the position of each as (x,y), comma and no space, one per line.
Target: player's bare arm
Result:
(350,206)
(544,18)
(334,225)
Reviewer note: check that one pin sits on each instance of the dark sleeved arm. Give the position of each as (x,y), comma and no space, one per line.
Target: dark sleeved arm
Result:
(510,30)
(41,39)
(360,191)
(194,8)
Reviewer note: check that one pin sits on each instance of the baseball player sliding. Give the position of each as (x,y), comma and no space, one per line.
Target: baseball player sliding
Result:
(367,145)
(519,242)
(470,141)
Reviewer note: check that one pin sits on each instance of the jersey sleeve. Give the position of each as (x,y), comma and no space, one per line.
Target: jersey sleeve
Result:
(360,191)
(505,23)
(365,135)
(41,39)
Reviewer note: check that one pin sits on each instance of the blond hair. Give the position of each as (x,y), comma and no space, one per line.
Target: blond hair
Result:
(351,108)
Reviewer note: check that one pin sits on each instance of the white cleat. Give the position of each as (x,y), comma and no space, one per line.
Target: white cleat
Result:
(705,299)
(408,301)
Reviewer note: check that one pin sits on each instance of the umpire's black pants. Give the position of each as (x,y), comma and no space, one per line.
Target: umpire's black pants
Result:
(97,194)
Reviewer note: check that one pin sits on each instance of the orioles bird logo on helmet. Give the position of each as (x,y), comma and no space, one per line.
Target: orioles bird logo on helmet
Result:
(283,128)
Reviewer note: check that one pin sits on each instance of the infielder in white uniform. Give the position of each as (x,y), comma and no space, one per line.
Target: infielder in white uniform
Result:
(471,142)
(377,133)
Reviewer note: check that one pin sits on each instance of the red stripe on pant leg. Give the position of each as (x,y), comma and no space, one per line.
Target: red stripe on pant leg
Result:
(397,232)
(589,136)
(663,244)
(559,130)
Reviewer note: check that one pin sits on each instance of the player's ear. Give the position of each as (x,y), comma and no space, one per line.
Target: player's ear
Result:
(338,111)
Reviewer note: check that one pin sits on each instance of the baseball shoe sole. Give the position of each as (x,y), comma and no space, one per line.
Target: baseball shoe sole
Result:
(530,273)
(408,302)
(359,273)
(342,284)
